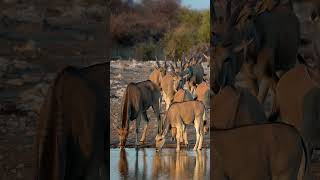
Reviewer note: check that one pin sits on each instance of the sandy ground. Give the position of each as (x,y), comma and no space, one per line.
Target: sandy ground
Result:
(123,72)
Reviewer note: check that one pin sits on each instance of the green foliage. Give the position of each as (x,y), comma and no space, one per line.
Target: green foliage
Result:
(152,26)
(204,28)
(193,29)
(145,50)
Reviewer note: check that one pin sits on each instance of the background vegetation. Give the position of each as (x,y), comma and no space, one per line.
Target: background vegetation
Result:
(157,28)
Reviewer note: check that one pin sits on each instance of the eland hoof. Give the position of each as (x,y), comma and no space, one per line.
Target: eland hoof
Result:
(141,142)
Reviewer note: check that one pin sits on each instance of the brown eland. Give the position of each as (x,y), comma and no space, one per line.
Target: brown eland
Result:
(264,152)
(298,102)
(297,93)
(72,132)
(136,100)
(241,106)
(158,73)
(274,32)
(170,85)
(181,96)
(179,115)
(203,94)
(193,72)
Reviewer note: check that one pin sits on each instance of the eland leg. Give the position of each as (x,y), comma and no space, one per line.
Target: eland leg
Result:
(197,127)
(143,137)
(201,134)
(178,136)
(173,133)
(156,109)
(166,100)
(182,133)
(185,138)
(138,120)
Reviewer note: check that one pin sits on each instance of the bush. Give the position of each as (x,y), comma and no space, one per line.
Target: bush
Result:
(145,51)
(146,25)
(193,29)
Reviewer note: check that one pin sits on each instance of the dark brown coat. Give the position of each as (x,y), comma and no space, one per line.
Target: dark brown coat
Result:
(233,107)
(298,103)
(137,98)
(72,129)
(275,36)
(264,152)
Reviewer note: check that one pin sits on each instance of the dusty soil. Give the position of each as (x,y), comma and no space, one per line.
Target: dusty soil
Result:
(123,72)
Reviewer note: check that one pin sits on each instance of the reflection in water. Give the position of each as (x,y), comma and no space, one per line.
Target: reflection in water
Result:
(123,163)
(147,164)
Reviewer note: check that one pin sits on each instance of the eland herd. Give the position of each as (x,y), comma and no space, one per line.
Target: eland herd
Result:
(257,48)
(186,95)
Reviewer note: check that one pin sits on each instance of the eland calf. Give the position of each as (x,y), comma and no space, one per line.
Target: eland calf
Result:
(178,116)
(181,96)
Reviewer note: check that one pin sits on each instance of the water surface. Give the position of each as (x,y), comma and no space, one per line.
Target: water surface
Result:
(146,164)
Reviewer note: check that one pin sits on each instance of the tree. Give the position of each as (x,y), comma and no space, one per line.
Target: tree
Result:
(193,29)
